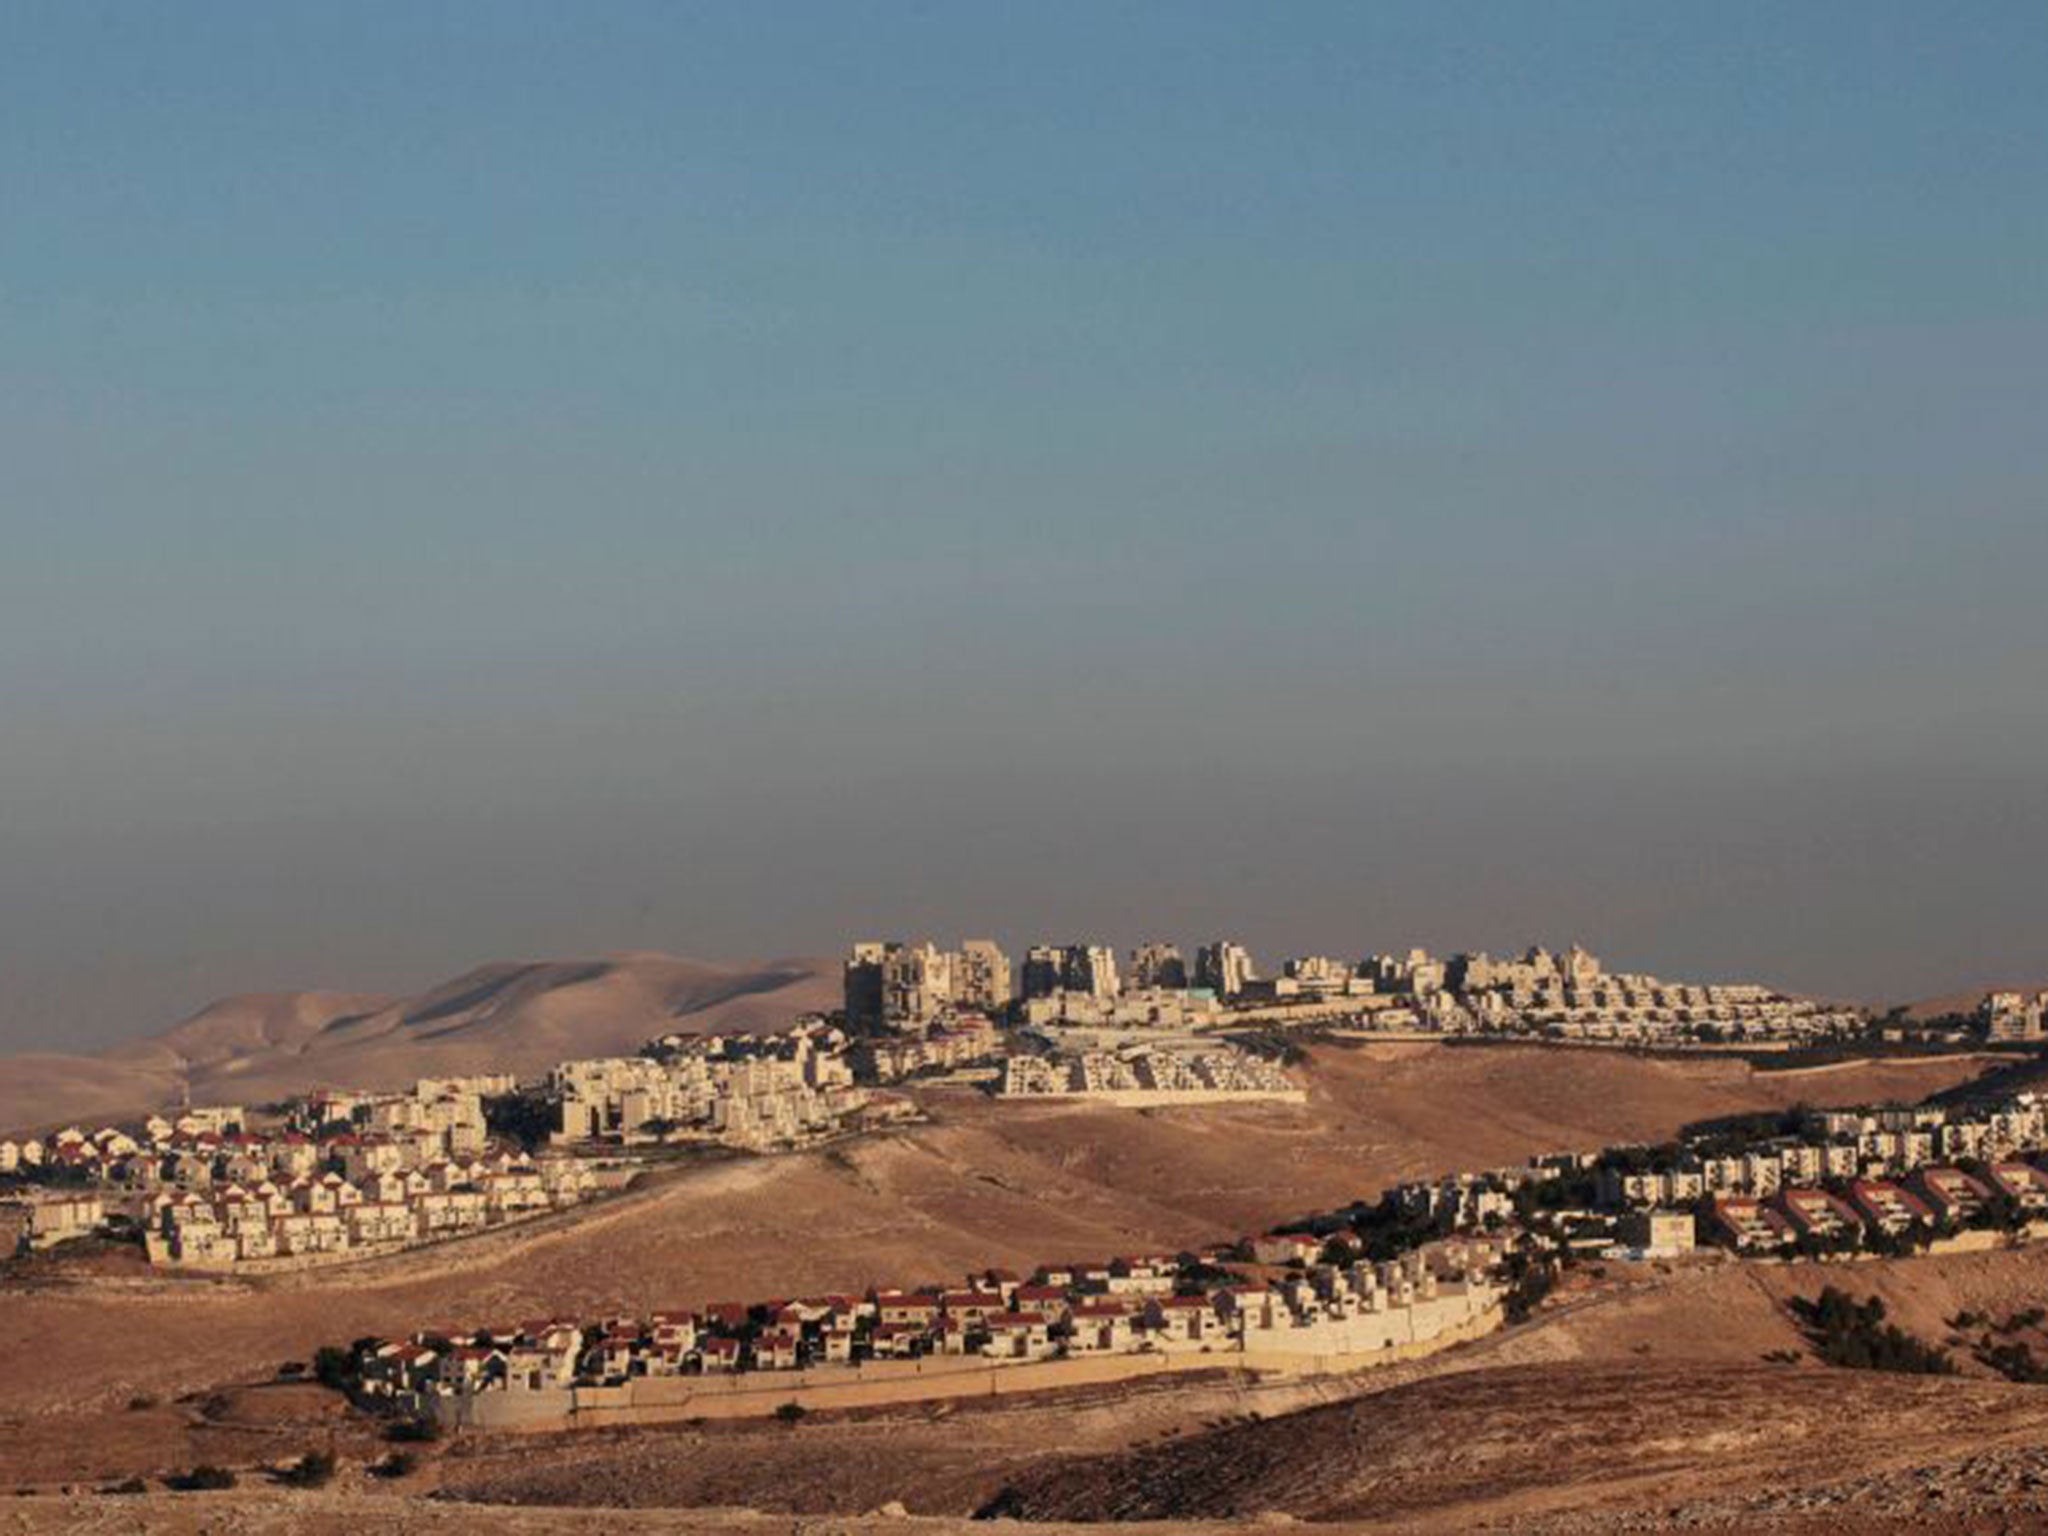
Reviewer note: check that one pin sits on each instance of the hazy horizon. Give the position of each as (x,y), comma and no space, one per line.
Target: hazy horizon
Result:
(532,482)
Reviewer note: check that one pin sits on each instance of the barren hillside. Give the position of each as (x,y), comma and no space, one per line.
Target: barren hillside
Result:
(984,1183)
(519,1018)
(1464,1450)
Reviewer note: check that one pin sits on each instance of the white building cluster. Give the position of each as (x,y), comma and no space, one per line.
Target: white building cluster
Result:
(1568,996)
(1198,1073)
(2014,1016)
(1842,1180)
(344,1174)
(901,986)
(760,1093)
(1147,1304)
(326,1217)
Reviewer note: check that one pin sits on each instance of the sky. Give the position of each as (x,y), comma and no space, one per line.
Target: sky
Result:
(502,481)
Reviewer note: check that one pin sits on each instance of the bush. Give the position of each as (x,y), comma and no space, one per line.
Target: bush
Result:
(1854,1335)
(397,1464)
(2015,1362)
(315,1469)
(131,1485)
(789,1413)
(141,1402)
(202,1478)
(419,1430)
(334,1367)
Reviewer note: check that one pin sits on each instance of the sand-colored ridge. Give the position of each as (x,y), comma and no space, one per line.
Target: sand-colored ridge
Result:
(519,1017)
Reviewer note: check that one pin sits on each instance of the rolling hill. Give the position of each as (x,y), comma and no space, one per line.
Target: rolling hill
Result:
(518,1017)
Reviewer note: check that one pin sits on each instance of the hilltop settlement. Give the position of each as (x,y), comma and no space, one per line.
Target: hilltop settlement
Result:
(1428,1264)
(341,1175)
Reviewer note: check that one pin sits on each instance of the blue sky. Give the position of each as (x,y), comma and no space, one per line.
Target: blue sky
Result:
(497,480)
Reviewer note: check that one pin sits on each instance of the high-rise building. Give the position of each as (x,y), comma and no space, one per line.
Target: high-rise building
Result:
(1158,967)
(1223,967)
(917,984)
(1045,969)
(900,985)
(1319,973)
(981,976)
(1415,974)
(861,981)
(2013,1016)
(1091,969)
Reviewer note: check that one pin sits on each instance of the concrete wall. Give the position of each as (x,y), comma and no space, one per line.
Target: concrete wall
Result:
(1147,1098)
(757,1394)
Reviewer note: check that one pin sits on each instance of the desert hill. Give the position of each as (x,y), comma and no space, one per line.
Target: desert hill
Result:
(1953,1004)
(982,1183)
(1500,1449)
(1656,1398)
(507,1017)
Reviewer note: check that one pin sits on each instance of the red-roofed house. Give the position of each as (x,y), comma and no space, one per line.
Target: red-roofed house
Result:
(1950,1193)
(2023,1183)
(1179,1319)
(1018,1336)
(1886,1206)
(1102,1327)
(1746,1225)
(1816,1213)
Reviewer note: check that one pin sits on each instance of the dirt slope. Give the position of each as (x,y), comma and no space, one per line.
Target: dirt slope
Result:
(520,1018)
(1464,1449)
(985,1183)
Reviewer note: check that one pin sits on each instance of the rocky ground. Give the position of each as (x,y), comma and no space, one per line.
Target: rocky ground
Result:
(1988,1491)
(1638,1398)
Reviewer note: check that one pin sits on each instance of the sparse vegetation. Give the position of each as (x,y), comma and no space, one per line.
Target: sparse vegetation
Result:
(315,1469)
(1855,1336)
(416,1430)
(396,1465)
(527,1118)
(334,1367)
(1529,1281)
(203,1478)
(2014,1360)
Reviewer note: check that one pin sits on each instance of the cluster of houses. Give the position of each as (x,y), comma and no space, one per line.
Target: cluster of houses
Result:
(1134,1305)
(326,1216)
(1573,997)
(907,987)
(1931,1200)
(1145,1071)
(1841,1180)
(962,1039)
(343,1174)
(160,1148)
(760,1093)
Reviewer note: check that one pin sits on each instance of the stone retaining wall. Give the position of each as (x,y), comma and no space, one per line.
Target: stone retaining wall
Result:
(758,1394)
